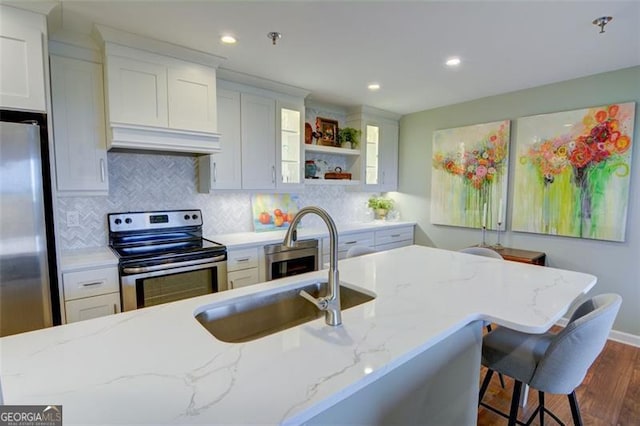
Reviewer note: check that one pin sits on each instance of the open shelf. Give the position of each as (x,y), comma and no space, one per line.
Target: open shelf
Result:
(342,182)
(331,150)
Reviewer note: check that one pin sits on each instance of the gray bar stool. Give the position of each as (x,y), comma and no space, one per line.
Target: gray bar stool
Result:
(554,363)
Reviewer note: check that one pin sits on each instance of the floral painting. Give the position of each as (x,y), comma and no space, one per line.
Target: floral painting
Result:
(469,175)
(572,173)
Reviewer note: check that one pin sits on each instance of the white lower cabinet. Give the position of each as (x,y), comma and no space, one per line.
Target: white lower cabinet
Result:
(242,278)
(345,242)
(92,307)
(242,267)
(91,293)
(392,238)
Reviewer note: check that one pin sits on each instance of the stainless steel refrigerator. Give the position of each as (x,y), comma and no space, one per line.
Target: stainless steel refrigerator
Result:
(28,285)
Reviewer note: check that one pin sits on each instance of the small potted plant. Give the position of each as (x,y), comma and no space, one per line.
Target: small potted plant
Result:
(348,137)
(380,206)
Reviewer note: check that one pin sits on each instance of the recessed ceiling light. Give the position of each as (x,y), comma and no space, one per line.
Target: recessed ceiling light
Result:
(228,39)
(373,86)
(453,62)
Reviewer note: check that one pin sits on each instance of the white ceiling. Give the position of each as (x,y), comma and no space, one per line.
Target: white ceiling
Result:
(335,48)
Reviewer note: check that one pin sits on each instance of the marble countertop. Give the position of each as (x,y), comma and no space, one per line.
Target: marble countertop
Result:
(97,257)
(158,365)
(248,239)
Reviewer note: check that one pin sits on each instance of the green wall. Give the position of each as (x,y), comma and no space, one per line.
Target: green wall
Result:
(617,265)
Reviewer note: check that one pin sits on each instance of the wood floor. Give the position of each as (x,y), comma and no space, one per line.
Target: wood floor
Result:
(609,394)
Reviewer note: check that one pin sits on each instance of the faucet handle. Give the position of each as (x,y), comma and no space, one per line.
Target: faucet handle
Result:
(320,303)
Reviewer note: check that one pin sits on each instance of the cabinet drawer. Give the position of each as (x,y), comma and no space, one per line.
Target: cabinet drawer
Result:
(387,236)
(91,282)
(346,241)
(92,307)
(242,278)
(242,259)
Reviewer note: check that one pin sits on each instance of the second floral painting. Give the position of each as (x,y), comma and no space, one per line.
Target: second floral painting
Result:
(572,172)
(469,179)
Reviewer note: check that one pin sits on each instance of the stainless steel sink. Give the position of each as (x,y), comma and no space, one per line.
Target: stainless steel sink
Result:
(257,316)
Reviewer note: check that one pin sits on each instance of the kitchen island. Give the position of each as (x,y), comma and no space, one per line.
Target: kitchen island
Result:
(158,365)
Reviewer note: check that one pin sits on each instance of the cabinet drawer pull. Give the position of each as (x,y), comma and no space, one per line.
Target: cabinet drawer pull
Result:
(244,259)
(215,172)
(350,242)
(273,174)
(91,284)
(395,235)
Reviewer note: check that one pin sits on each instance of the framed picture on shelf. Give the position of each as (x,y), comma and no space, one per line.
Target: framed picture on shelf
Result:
(328,131)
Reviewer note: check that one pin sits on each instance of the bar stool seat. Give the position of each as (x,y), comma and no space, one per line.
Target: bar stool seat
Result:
(553,363)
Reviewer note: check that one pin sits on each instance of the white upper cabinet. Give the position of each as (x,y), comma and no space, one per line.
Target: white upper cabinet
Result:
(160,96)
(192,98)
(379,147)
(258,130)
(137,92)
(289,152)
(224,170)
(260,138)
(78,126)
(22,71)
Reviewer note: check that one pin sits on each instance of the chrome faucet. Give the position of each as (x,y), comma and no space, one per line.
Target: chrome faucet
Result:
(330,304)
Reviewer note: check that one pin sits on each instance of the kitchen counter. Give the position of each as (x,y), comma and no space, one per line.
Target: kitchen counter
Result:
(160,366)
(247,239)
(98,257)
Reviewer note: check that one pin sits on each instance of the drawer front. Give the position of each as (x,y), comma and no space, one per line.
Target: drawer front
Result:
(242,259)
(92,307)
(242,278)
(346,241)
(92,282)
(387,236)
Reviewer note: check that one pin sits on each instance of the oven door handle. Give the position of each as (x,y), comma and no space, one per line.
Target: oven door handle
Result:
(143,269)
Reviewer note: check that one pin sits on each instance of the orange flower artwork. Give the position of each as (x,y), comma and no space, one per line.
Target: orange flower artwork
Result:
(573,171)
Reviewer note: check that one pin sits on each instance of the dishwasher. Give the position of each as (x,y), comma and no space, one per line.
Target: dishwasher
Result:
(281,261)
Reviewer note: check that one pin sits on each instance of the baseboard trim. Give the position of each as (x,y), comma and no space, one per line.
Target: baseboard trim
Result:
(616,336)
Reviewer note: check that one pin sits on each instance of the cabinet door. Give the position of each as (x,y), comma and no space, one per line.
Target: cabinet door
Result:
(371,152)
(79,125)
(137,92)
(223,170)
(388,156)
(289,153)
(92,307)
(192,98)
(21,60)
(242,278)
(258,117)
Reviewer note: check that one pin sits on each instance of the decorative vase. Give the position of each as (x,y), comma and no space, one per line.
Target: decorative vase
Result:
(346,145)
(381,213)
(310,169)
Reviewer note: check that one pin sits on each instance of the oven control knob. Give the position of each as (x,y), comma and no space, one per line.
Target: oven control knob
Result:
(128,220)
(194,217)
(118,221)
(186,217)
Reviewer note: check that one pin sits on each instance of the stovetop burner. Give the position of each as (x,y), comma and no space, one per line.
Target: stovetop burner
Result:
(160,236)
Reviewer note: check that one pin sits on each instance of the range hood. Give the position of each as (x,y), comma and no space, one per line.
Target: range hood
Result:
(159,96)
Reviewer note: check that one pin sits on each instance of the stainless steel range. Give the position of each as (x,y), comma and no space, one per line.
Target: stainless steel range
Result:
(163,257)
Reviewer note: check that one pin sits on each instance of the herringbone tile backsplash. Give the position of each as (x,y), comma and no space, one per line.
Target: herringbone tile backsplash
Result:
(141,182)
